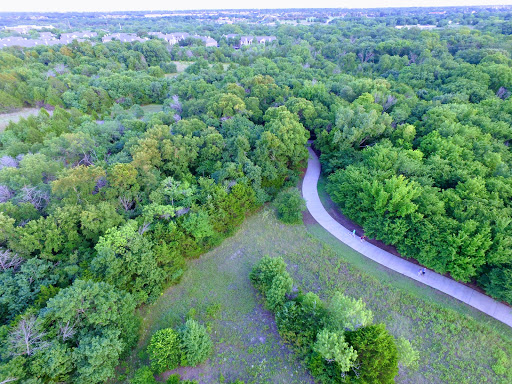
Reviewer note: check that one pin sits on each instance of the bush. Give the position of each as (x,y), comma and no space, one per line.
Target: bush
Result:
(143,375)
(173,379)
(333,348)
(299,321)
(276,295)
(164,350)
(407,355)
(265,271)
(346,313)
(169,67)
(196,345)
(290,205)
(332,357)
(377,354)
(269,276)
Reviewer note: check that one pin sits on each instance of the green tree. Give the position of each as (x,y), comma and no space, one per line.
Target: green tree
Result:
(377,355)
(290,205)
(333,348)
(164,350)
(196,345)
(143,375)
(270,277)
(346,313)
(126,260)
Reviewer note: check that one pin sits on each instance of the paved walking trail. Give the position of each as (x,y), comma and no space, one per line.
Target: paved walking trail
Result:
(459,291)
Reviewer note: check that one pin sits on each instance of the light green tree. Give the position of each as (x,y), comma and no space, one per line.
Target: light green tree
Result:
(333,348)
(196,345)
(346,313)
(164,350)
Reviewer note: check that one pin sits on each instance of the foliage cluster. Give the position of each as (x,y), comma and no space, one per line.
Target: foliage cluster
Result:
(337,340)
(414,127)
(290,205)
(124,201)
(188,346)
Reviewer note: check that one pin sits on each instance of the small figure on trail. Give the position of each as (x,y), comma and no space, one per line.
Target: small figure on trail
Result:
(354,233)
(363,238)
(423,271)
(420,272)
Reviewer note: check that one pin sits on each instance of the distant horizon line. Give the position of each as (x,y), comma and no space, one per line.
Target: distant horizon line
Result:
(269,9)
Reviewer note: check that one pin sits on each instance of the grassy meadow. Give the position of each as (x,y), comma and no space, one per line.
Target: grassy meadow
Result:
(456,343)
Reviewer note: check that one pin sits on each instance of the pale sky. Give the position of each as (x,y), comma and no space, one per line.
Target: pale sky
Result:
(123,5)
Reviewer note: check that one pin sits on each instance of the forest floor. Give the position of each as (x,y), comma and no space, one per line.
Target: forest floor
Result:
(457,344)
(5,118)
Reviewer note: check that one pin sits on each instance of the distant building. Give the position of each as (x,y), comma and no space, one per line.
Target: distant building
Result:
(176,37)
(78,35)
(249,40)
(171,38)
(246,40)
(17,42)
(46,36)
(124,37)
(66,38)
(208,41)
(265,39)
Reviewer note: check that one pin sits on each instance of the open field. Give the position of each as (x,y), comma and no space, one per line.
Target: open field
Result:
(182,65)
(5,118)
(152,108)
(457,344)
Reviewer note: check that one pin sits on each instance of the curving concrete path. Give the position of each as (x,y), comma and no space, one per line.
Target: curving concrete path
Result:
(459,291)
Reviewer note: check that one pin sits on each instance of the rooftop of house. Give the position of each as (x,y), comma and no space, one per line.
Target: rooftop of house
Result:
(124,37)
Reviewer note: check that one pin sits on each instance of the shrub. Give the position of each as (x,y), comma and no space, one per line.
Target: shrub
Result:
(276,295)
(407,355)
(265,271)
(169,67)
(196,345)
(345,313)
(269,276)
(173,379)
(290,205)
(332,357)
(164,350)
(377,354)
(334,349)
(502,363)
(299,321)
(143,375)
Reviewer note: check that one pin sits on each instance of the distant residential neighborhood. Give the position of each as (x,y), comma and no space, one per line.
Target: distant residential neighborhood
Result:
(240,41)
(50,38)
(176,37)
(45,38)
(124,37)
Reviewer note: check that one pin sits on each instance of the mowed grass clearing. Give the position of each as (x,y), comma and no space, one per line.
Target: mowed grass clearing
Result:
(456,343)
(5,118)
(152,108)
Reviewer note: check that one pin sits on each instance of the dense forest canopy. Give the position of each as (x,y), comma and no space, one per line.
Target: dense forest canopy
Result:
(103,200)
